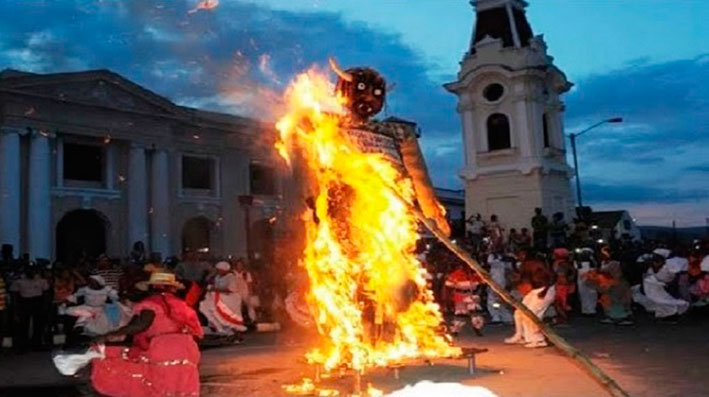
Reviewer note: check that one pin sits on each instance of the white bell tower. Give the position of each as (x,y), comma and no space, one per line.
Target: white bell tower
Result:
(512,117)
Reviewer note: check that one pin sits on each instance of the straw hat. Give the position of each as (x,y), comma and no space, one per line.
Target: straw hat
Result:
(164,278)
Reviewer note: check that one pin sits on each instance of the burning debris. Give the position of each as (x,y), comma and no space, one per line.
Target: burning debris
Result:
(367,291)
(204,5)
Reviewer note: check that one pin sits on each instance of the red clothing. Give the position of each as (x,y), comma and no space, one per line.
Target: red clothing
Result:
(163,360)
(463,283)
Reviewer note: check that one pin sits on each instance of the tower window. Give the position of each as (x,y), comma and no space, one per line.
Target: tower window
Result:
(498,132)
(493,92)
(545,129)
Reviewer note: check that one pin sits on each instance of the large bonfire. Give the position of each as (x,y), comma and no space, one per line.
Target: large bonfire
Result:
(367,290)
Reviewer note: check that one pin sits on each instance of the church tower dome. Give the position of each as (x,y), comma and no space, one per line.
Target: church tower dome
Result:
(509,100)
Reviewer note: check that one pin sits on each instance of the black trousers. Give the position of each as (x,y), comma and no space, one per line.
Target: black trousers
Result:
(29,310)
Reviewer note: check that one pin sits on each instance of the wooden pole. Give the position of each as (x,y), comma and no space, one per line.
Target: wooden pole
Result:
(595,372)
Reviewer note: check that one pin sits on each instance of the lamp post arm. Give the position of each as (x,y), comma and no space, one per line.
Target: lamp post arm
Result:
(590,128)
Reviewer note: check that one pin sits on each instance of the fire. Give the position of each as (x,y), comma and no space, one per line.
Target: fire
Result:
(367,290)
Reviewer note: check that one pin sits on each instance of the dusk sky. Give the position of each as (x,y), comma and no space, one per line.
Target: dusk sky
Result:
(646,61)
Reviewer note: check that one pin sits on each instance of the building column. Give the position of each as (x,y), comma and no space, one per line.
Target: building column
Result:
(39,228)
(469,142)
(10,188)
(524,128)
(160,204)
(137,197)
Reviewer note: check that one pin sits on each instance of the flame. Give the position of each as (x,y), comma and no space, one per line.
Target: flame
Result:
(367,290)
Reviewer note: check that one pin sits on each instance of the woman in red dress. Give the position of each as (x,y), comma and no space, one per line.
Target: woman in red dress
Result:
(164,357)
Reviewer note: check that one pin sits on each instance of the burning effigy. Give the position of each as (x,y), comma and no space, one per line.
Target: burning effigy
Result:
(366,289)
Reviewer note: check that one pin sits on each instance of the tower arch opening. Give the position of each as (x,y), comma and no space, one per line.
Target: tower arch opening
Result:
(498,132)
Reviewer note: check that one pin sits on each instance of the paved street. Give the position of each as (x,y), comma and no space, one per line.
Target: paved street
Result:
(647,360)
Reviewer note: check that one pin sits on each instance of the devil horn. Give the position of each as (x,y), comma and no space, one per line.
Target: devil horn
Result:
(335,68)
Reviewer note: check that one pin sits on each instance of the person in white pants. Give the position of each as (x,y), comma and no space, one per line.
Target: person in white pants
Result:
(537,301)
(499,312)
(587,294)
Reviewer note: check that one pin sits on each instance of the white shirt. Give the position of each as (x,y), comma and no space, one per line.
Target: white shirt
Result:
(476,226)
(29,287)
(95,297)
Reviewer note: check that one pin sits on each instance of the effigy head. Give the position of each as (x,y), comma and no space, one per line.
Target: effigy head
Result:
(363,88)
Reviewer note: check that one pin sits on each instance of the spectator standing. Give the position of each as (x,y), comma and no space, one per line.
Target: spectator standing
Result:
(3,308)
(499,267)
(514,240)
(137,254)
(525,240)
(29,292)
(109,272)
(558,230)
(540,225)
(496,233)
(476,229)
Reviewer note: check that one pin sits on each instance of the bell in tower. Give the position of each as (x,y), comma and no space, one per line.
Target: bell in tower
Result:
(509,100)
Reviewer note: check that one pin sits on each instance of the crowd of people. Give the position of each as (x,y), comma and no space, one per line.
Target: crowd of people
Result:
(559,270)
(44,304)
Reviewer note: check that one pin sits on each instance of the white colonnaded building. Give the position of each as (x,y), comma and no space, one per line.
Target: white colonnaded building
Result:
(91,162)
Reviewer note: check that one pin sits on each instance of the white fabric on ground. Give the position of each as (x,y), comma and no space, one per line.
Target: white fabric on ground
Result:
(70,364)
(427,388)
(526,328)
(657,300)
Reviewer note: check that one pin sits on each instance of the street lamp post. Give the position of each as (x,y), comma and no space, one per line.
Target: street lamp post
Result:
(573,137)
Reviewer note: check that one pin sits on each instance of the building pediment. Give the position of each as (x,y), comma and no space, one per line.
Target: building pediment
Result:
(96,88)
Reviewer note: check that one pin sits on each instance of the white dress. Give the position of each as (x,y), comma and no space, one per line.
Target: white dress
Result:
(587,294)
(93,314)
(222,309)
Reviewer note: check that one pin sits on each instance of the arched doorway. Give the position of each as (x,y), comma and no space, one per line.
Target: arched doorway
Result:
(196,234)
(81,232)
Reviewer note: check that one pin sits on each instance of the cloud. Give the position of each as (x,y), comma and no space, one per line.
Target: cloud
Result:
(655,154)
(239,56)
(700,168)
(236,57)
(639,193)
